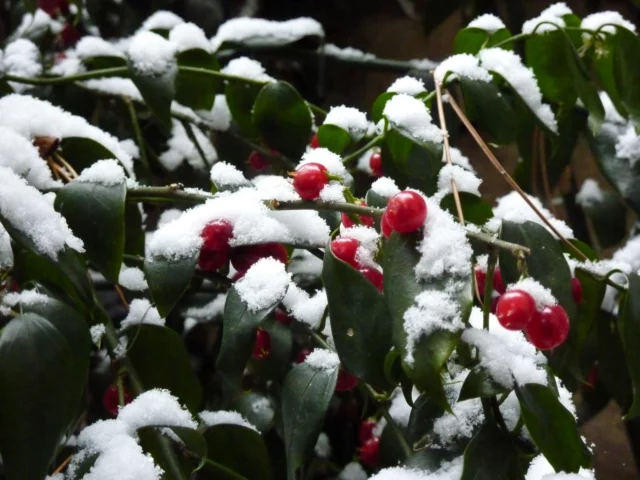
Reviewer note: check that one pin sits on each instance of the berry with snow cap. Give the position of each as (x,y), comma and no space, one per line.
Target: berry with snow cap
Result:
(548,328)
(215,245)
(515,309)
(375,162)
(242,258)
(406,211)
(369,453)
(365,432)
(309,180)
(345,249)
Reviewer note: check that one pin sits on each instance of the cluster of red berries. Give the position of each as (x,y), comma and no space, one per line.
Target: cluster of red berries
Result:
(516,310)
(345,249)
(369,444)
(111,398)
(216,251)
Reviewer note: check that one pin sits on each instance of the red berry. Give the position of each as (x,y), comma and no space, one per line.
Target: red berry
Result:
(515,309)
(364,219)
(345,381)
(210,261)
(406,211)
(309,180)
(375,162)
(242,258)
(384,225)
(365,433)
(282,318)
(262,347)
(53,7)
(302,355)
(111,398)
(345,249)
(374,276)
(481,279)
(216,236)
(592,378)
(498,283)
(258,161)
(576,290)
(69,35)
(314,143)
(369,453)
(548,328)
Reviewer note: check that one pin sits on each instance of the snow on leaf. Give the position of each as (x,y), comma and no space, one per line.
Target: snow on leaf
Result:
(264,284)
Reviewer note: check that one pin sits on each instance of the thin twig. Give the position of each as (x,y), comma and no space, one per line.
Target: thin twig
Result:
(447,149)
(512,183)
(136,130)
(542,158)
(120,293)
(61,171)
(361,151)
(192,136)
(66,165)
(63,465)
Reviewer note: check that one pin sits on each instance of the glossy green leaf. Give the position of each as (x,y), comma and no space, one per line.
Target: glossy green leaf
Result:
(609,219)
(159,357)
(629,324)
(423,415)
(334,138)
(95,214)
(475,209)
(239,449)
(487,107)
(240,99)
(305,399)
(283,118)
(552,428)
(480,384)
(491,455)
(360,321)
(471,40)
(156,443)
(82,152)
(612,364)
(38,386)
(602,59)
(197,90)
(625,48)
(400,290)
(257,408)
(238,337)
(157,90)
(546,263)
(168,279)
(378,105)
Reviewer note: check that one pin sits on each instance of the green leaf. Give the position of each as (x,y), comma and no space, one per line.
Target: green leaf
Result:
(152,441)
(552,428)
(629,322)
(197,90)
(100,62)
(95,213)
(334,138)
(277,364)
(612,364)
(625,48)
(486,106)
(239,449)
(360,321)
(423,415)
(602,58)
(82,152)
(157,90)
(400,290)
(475,209)
(283,118)
(256,408)
(159,357)
(305,398)
(38,387)
(240,99)
(480,384)
(491,455)
(609,219)
(168,279)
(378,105)
(134,236)
(546,263)
(472,40)
(238,337)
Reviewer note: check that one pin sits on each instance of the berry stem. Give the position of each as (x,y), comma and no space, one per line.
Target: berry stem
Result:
(358,153)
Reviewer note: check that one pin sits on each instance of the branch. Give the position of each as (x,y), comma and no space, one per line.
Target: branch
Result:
(358,153)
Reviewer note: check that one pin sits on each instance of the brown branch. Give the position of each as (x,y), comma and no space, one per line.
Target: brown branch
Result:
(63,464)
(545,176)
(120,293)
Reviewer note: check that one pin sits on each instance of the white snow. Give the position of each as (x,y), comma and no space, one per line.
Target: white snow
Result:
(208,311)
(303,262)
(628,146)
(89,46)
(513,208)
(151,53)
(33,25)
(385,187)
(350,119)
(219,118)
(6,252)
(550,19)
(181,148)
(22,59)
(19,154)
(275,187)
(411,116)
(188,36)
(32,117)
(141,311)
(168,215)
(590,193)
(132,278)
(161,20)
(224,174)
(103,172)
(322,447)
(333,192)
(611,115)
(368,239)
(522,79)
(125,460)
(542,296)
(261,32)
(247,68)
(488,22)
(424,64)
(264,284)
(399,409)
(606,22)
(323,156)
(304,307)
(541,469)
(447,471)
(97,332)
(465,180)
(352,471)
(155,408)
(115,86)
(407,85)
(224,417)
(458,158)
(322,359)
(25,297)
(33,215)
(346,53)
(461,65)
(129,146)
(507,355)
